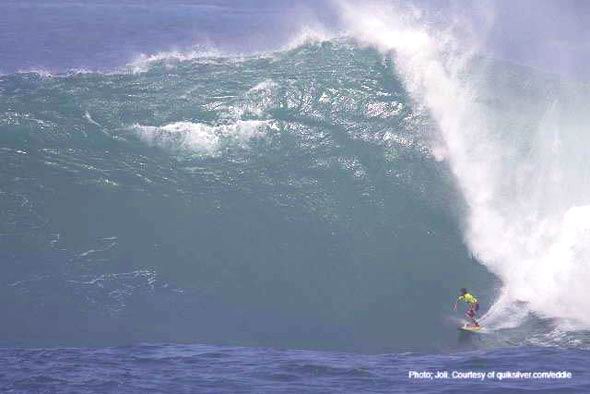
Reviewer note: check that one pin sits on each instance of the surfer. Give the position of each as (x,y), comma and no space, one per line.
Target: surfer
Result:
(472,303)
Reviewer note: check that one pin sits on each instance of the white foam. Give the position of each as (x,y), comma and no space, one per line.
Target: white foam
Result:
(309,34)
(264,86)
(43,73)
(144,61)
(529,204)
(89,118)
(202,138)
(384,109)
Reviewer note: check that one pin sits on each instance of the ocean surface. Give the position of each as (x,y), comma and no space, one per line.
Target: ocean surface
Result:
(190,202)
(218,369)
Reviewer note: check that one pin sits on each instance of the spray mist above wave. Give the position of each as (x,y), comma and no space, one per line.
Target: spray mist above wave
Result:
(306,34)
(522,174)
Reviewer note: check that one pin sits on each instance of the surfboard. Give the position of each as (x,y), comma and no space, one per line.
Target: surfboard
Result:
(470,328)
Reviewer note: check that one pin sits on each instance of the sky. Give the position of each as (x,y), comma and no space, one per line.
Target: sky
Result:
(57,35)
(551,35)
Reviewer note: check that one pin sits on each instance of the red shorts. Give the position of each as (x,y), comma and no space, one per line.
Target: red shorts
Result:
(472,309)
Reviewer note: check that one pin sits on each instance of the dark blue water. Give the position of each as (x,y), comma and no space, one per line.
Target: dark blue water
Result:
(217,369)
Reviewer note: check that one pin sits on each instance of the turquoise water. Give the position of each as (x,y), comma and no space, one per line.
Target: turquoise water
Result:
(284,199)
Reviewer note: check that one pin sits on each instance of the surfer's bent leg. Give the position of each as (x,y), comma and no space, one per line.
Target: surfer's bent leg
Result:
(473,308)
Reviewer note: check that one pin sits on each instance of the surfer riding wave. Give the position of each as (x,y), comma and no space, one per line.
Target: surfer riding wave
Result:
(473,306)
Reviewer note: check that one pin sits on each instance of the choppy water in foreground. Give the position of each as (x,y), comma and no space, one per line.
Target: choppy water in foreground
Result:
(216,369)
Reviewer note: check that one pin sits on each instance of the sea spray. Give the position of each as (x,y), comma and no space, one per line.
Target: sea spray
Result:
(522,174)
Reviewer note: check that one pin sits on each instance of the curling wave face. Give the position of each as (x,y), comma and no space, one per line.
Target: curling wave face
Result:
(289,199)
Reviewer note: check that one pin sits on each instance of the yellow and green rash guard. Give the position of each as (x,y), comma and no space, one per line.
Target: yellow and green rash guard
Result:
(468,298)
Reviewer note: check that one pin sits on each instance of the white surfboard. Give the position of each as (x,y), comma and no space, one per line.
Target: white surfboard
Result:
(470,328)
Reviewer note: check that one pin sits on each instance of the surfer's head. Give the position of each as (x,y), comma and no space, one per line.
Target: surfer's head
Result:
(463,291)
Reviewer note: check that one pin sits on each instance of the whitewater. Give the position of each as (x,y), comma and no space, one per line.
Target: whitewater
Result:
(521,169)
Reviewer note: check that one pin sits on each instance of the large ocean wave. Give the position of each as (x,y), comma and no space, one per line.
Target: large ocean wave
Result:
(334,194)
